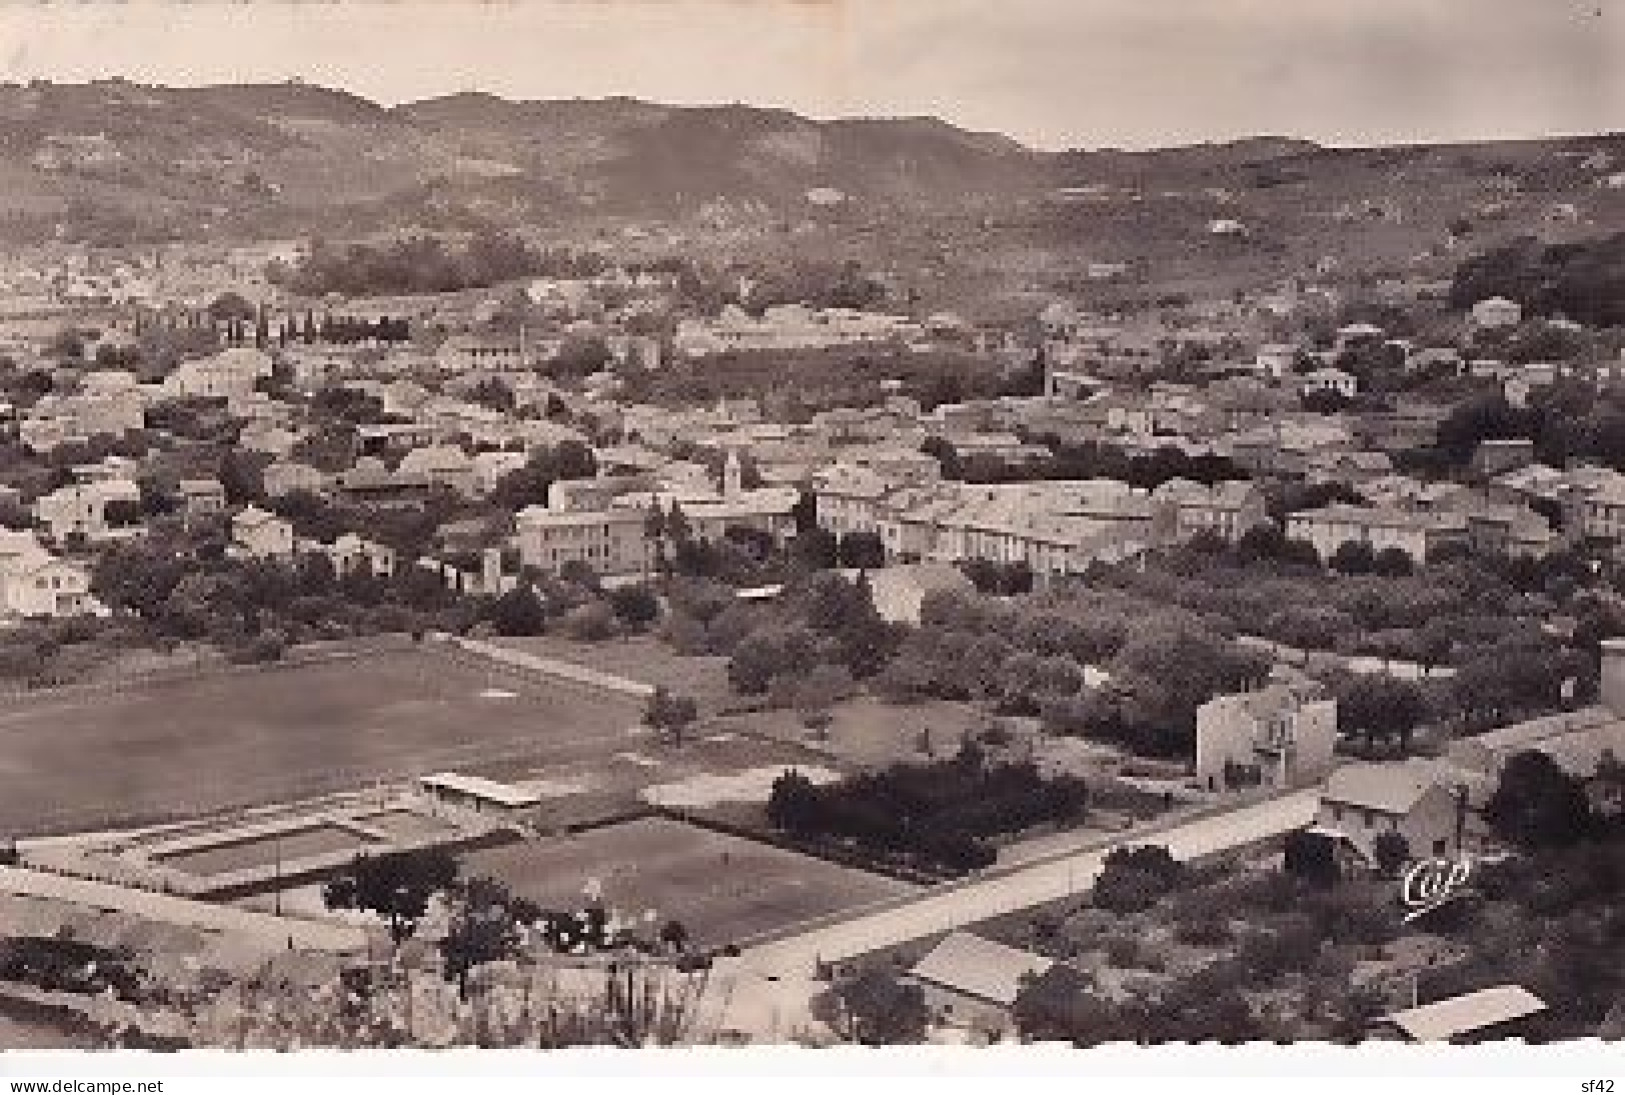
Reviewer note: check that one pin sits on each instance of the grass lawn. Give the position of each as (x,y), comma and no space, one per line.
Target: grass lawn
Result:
(77,760)
(871,732)
(722,888)
(640,658)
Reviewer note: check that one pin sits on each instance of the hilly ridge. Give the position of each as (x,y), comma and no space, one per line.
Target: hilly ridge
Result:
(268,155)
(113,161)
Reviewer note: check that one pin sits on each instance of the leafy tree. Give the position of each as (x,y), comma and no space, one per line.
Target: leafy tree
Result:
(1538,805)
(242,474)
(1165,671)
(1583,280)
(671,715)
(862,550)
(1264,541)
(792,802)
(1310,857)
(519,611)
(138,577)
(1063,1003)
(813,692)
(1391,563)
(395,885)
(591,622)
(483,928)
(674,936)
(946,455)
(529,485)
(816,549)
(876,1008)
(580,357)
(1391,851)
(1519,674)
(1353,557)
(1134,879)
(492,392)
(637,606)
(1377,706)
(1310,626)
(769,652)
(68,344)
(231,306)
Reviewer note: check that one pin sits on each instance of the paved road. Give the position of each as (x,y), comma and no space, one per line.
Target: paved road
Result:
(795,957)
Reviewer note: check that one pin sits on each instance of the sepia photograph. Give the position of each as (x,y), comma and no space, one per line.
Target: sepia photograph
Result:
(681,524)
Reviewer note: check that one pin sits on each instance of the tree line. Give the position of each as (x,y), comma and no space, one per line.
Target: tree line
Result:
(425,264)
(942,815)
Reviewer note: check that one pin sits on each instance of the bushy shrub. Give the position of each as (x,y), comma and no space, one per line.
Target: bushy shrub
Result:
(942,813)
(1134,879)
(590,623)
(1209,931)
(635,606)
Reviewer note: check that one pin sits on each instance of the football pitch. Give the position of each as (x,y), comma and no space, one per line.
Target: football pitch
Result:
(723,889)
(74,760)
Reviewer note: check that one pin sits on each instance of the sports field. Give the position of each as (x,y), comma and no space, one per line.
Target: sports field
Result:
(723,889)
(75,760)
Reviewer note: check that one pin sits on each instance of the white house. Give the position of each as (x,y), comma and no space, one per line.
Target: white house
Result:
(1419,534)
(490,468)
(267,438)
(1273,737)
(230,374)
(351,554)
(971,982)
(442,465)
(1275,360)
(1499,1012)
(59,419)
(899,591)
(1335,381)
(201,497)
(477,353)
(287,476)
(608,541)
(1362,801)
(1227,509)
(82,508)
(1497,312)
(261,535)
(35,583)
(789,327)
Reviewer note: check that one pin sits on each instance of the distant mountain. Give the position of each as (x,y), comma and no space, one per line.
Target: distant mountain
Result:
(958,215)
(245,157)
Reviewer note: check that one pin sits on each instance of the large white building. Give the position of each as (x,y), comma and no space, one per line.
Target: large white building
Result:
(60,419)
(1417,533)
(35,583)
(1273,737)
(789,327)
(607,541)
(1228,509)
(81,509)
(1056,528)
(230,374)
(257,534)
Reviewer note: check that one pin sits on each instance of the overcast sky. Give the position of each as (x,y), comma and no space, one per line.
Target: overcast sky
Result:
(1054,73)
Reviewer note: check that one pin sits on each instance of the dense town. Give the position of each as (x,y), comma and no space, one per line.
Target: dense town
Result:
(442,639)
